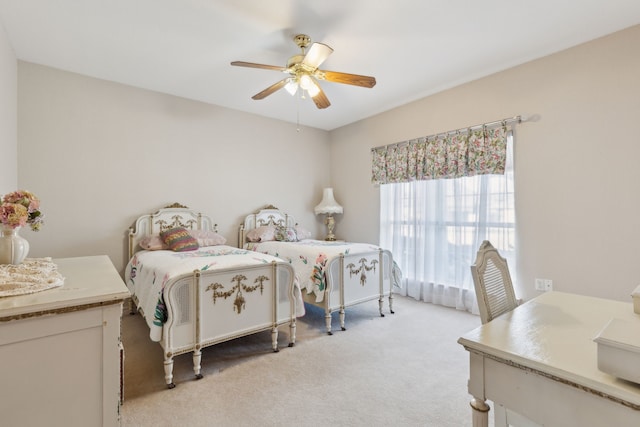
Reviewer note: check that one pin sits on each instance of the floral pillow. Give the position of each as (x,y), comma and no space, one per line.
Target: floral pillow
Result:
(207,238)
(178,239)
(152,243)
(286,234)
(265,233)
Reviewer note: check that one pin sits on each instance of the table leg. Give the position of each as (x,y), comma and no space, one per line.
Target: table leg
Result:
(479,413)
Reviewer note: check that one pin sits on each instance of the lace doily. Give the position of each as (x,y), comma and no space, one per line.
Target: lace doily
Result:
(33,275)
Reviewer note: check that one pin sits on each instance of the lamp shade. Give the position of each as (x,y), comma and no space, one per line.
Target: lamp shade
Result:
(328,205)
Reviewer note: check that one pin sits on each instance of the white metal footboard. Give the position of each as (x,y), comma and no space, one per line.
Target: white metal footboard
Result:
(209,307)
(352,279)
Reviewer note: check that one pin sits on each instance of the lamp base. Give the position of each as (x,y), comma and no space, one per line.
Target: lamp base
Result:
(331,223)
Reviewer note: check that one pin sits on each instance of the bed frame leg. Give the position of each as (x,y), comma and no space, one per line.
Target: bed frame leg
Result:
(197,357)
(327,321)
(391,302)
(292,333)
(342,319)
(132,307)
(168,370)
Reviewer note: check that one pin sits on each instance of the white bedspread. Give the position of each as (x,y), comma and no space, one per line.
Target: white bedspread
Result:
(148,271)
(309,258)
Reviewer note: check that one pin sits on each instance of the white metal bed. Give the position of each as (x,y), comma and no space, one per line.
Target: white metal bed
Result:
(233,294)
(348,274)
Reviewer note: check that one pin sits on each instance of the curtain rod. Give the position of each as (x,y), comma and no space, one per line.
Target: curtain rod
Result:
(511,120)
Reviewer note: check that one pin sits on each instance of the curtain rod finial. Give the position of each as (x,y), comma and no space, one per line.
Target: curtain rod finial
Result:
(531,118)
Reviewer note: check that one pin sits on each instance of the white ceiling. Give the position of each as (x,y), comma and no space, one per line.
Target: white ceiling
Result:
(414,48)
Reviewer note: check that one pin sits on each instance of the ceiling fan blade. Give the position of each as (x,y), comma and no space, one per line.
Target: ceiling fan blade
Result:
(316,55)
(349,79)
(321,99)
(254,65)
(268,91)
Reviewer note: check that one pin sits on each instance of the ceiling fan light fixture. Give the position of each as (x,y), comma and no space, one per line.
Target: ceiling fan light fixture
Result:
(306,82)
(314,91)
(309,84)
(291,86)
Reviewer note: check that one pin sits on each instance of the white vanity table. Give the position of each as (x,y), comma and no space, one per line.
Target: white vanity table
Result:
(540,361)
(60,350)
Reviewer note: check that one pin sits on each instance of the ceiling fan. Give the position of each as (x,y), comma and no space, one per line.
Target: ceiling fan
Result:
(304,73)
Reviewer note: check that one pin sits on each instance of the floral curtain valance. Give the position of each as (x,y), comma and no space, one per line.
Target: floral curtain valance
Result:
(450,155)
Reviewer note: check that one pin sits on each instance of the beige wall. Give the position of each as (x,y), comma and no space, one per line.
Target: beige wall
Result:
(8,116)
(577,173)
(99,154)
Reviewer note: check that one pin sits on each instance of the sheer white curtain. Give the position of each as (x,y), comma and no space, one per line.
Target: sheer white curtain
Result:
(435,227)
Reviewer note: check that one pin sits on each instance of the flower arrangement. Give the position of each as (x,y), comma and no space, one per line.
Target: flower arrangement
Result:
(20,208)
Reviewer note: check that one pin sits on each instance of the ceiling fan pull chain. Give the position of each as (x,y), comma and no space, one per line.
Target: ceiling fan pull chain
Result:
(297,114)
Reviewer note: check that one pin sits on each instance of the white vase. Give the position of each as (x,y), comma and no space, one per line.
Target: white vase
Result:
(13,247)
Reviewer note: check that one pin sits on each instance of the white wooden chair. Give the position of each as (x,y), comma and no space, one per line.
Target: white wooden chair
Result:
(495,294)
(492,281)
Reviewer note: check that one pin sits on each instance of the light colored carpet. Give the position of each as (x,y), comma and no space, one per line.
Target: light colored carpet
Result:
(405,369)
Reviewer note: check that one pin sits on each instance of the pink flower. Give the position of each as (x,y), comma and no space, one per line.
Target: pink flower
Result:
(321,259)
(21,208)
(13,215)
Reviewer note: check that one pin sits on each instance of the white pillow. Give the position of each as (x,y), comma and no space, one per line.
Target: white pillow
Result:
(302,233)
(152,242)
(208,238)
(265,233)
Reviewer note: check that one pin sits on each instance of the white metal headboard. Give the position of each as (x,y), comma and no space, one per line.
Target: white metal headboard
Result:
(175,215)
(270,215)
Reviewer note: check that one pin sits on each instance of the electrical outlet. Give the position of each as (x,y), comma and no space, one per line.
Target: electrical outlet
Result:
(544,285)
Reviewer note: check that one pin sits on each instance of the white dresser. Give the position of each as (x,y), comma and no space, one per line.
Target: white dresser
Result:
(60,350)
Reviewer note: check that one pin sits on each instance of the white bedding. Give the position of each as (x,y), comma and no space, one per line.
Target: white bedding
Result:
(148,271)
(309,258)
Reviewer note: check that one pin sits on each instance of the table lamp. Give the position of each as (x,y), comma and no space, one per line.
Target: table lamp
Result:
(329,207)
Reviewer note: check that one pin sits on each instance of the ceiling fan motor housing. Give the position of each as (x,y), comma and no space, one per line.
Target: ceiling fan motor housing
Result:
(295,59)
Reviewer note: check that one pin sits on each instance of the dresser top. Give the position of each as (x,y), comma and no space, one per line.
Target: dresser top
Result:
(88,281)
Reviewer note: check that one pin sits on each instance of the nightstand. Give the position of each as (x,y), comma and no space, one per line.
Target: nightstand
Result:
(60,349)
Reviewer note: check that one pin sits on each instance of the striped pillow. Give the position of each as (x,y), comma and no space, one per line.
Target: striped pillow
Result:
(178,239)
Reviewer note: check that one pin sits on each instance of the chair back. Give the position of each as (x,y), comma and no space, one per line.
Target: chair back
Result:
(492,281)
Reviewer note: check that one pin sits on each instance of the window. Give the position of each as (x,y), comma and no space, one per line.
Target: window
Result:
(435,227)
